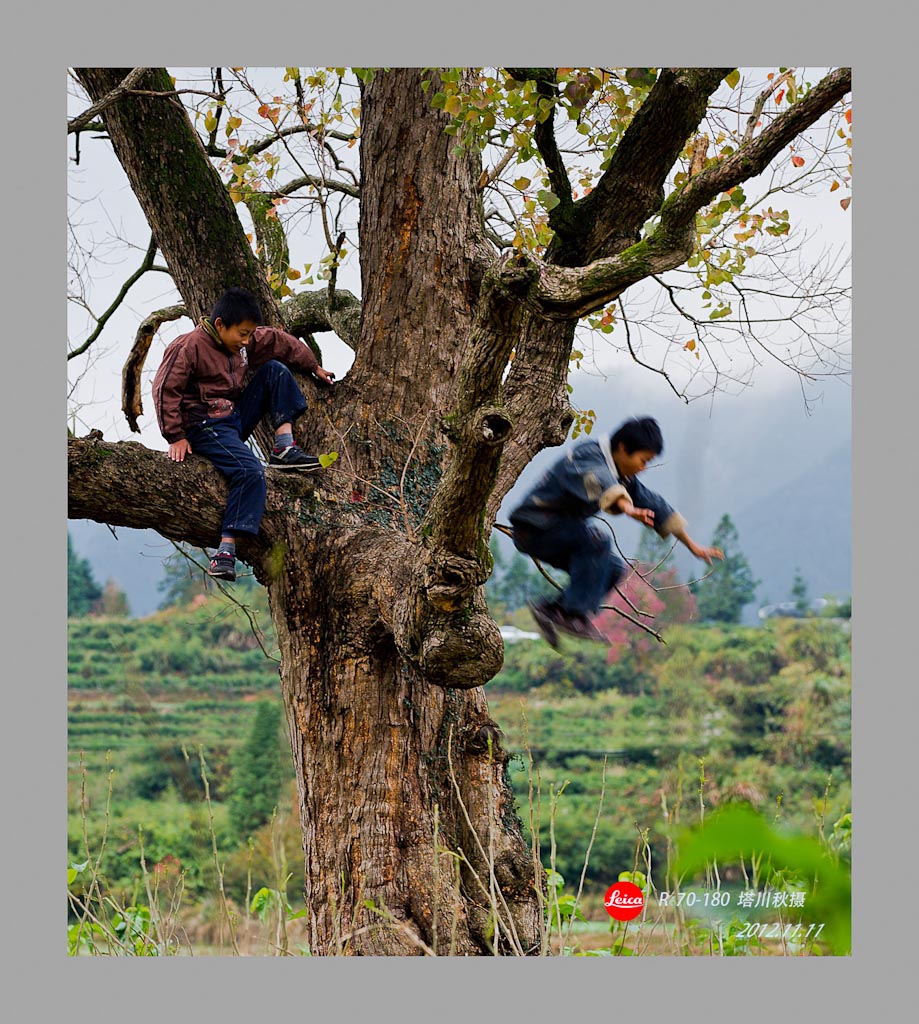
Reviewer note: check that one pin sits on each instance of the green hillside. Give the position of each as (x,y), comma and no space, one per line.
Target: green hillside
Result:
(610,755)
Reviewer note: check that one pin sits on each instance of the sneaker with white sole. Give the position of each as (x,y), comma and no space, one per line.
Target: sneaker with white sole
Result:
(223,566)
(292,457)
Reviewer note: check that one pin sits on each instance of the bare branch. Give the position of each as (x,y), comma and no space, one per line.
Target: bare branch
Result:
(753,157)
(663,373)
(282,133)
(82,120)
(489,176)
(753,119)
(147,264)
(318,183)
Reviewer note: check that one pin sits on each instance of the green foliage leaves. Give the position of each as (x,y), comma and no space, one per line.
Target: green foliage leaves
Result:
(739,832)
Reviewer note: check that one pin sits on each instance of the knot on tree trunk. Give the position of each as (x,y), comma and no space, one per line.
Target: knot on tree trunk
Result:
(449,581)
(485,738)
(461,651)
(490,426)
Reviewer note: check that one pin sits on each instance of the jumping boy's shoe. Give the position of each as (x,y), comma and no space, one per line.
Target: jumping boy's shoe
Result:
(292,457)
(544,614)
(223,566)
(582,628)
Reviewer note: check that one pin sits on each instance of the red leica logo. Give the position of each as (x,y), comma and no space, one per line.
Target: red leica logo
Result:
(623,901)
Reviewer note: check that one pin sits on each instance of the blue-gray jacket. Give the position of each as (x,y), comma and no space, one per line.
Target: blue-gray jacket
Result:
(585,482)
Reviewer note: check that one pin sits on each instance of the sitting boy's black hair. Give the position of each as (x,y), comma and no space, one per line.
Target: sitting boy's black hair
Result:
(235,306)
(638,434)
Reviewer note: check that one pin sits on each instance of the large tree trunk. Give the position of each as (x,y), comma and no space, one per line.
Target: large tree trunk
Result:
(384,633)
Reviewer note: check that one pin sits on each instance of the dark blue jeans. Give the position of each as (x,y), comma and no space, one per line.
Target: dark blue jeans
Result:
(581,548)
(272,392)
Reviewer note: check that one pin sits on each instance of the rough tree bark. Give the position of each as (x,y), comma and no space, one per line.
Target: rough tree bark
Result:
(375,570)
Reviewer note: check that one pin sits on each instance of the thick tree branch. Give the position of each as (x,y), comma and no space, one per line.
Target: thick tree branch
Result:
(274,252)
(174,157)
(632,188)
(479,425)
(310,313)
(183,501)
(131,402)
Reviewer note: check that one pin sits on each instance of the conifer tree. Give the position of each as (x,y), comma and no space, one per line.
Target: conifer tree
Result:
(82,588)
(723,595)
(258,772)
(799,593)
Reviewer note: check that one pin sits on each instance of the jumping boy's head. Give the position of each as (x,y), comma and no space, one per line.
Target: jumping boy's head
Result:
(235,316)
(635,444)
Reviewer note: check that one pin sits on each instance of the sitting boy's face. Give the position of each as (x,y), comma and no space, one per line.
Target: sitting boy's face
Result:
(634,463)
(236,337)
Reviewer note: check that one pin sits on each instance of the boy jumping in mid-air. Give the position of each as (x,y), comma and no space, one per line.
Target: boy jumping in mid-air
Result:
(553,522)
(203,406)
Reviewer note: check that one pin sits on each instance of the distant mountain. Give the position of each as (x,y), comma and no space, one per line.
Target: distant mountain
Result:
(804,524)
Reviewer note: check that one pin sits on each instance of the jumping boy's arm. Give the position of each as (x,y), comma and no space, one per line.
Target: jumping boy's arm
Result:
(706,554)
(652,510)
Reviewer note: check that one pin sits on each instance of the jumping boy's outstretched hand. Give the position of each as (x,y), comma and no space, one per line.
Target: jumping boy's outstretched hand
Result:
(179,449)
(706,554)
(326,376)
(643,515)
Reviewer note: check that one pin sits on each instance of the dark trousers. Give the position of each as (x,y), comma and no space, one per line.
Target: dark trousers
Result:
(581,548)
(272,392)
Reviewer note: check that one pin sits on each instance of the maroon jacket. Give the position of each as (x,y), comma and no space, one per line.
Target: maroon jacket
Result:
(197,372)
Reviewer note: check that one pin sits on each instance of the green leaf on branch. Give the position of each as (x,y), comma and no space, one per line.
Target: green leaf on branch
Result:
(327,459)
(732,78)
